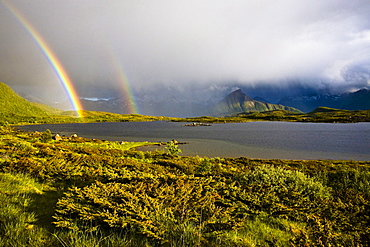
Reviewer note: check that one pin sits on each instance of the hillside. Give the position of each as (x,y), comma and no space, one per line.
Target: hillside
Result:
(47,109)
(16,110)
(238,101)
(11,104)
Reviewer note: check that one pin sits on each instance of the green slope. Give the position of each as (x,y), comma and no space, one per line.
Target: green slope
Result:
(48,109)
(16,110)
(13,107)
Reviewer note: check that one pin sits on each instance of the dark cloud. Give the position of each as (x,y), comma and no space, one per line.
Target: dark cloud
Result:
(211,43)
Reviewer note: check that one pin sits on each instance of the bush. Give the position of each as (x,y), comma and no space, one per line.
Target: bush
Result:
(46,136)
(161,209)
(172,148)
(278,192)
(204,167)
(350,179)
(281,180)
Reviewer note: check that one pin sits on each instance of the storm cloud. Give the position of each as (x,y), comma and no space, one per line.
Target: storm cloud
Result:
(181,43)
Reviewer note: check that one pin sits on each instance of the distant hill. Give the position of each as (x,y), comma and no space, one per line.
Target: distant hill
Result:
(13,104)
(238,101)
(359,100)
(48,109)
(319,115)
(170,106)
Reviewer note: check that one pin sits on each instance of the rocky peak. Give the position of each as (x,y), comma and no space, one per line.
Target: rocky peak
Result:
(238,101)
(238,96)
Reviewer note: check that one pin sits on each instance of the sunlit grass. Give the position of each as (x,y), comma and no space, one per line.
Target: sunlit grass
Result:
(18,223)
(110,145)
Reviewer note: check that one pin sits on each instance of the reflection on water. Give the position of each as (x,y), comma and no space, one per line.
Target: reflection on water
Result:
(280,140)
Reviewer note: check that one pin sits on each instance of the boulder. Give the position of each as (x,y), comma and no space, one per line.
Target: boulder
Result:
(57,137)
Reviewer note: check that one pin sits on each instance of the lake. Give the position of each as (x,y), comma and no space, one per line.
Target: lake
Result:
(266,140)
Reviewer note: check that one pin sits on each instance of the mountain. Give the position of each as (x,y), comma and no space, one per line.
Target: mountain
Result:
(260,99)
(115,105)
(238,101)
(48,109)
(12,104)
(174,106)
(359,100)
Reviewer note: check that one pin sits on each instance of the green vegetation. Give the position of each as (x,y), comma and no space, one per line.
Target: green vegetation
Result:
(70,117)
(12,105)
(173,148)
(50,110)
(320,115)
(87,192)
(46,136)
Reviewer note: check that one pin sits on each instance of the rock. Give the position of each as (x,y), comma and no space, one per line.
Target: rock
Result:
(198,124)
(57,137)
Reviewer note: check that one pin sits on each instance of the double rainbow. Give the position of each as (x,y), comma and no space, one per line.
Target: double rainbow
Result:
(123,81)
(51,57)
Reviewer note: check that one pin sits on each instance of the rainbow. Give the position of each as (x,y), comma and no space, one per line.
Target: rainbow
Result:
(53,60)
(122,78)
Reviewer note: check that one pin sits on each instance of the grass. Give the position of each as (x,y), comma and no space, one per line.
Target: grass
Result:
(19,223)
(25,218)
(109,145)
(262,231)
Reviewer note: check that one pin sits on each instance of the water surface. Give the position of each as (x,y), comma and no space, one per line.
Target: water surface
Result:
(276,140)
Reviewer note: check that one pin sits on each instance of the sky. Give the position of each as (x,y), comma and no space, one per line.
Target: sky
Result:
(107,46)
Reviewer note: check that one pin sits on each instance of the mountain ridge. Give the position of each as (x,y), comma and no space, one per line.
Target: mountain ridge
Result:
(358,100)
(237,102)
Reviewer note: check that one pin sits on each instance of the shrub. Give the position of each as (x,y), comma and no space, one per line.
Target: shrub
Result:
(46,136)
(160,209)
(283,181)
(172,148)
(278,192)
(350,179)
(204,167)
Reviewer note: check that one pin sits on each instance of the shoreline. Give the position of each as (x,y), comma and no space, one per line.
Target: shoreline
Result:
(202,144)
